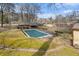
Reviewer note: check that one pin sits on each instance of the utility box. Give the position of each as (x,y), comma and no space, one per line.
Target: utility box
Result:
(76,35)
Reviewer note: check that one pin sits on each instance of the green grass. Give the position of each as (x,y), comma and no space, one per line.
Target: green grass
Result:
(15,53)
(66,51)
(16,39)
(19,53)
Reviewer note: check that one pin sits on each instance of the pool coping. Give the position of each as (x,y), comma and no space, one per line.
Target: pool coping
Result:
(46,36)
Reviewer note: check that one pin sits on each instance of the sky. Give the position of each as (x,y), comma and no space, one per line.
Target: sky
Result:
(62,9)
(59,8)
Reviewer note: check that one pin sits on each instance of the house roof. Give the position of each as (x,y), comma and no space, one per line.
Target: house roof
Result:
(76,26)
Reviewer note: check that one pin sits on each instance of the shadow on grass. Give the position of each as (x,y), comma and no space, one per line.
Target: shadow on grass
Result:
(42,50)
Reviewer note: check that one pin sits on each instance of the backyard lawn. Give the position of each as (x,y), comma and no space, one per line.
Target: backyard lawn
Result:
(15,39)
(15,53)
(65,51)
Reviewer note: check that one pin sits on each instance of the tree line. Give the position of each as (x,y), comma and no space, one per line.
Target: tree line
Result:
(27,12)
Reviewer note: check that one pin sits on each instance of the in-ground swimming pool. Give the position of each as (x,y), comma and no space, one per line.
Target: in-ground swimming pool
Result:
(35,33)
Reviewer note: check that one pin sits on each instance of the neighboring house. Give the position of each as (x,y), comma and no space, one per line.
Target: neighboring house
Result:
(65,25)
(76,35)
(60,26)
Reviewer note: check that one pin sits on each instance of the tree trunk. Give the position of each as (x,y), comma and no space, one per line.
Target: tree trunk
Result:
(22,15)
(1,17)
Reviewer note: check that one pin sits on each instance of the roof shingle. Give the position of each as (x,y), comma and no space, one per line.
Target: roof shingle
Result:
(76,26)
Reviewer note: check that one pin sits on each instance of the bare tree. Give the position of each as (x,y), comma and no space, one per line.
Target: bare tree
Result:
(30,10)
(6,7)
(2,8)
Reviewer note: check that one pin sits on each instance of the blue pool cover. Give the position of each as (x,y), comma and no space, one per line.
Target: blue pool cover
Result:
(35,33)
